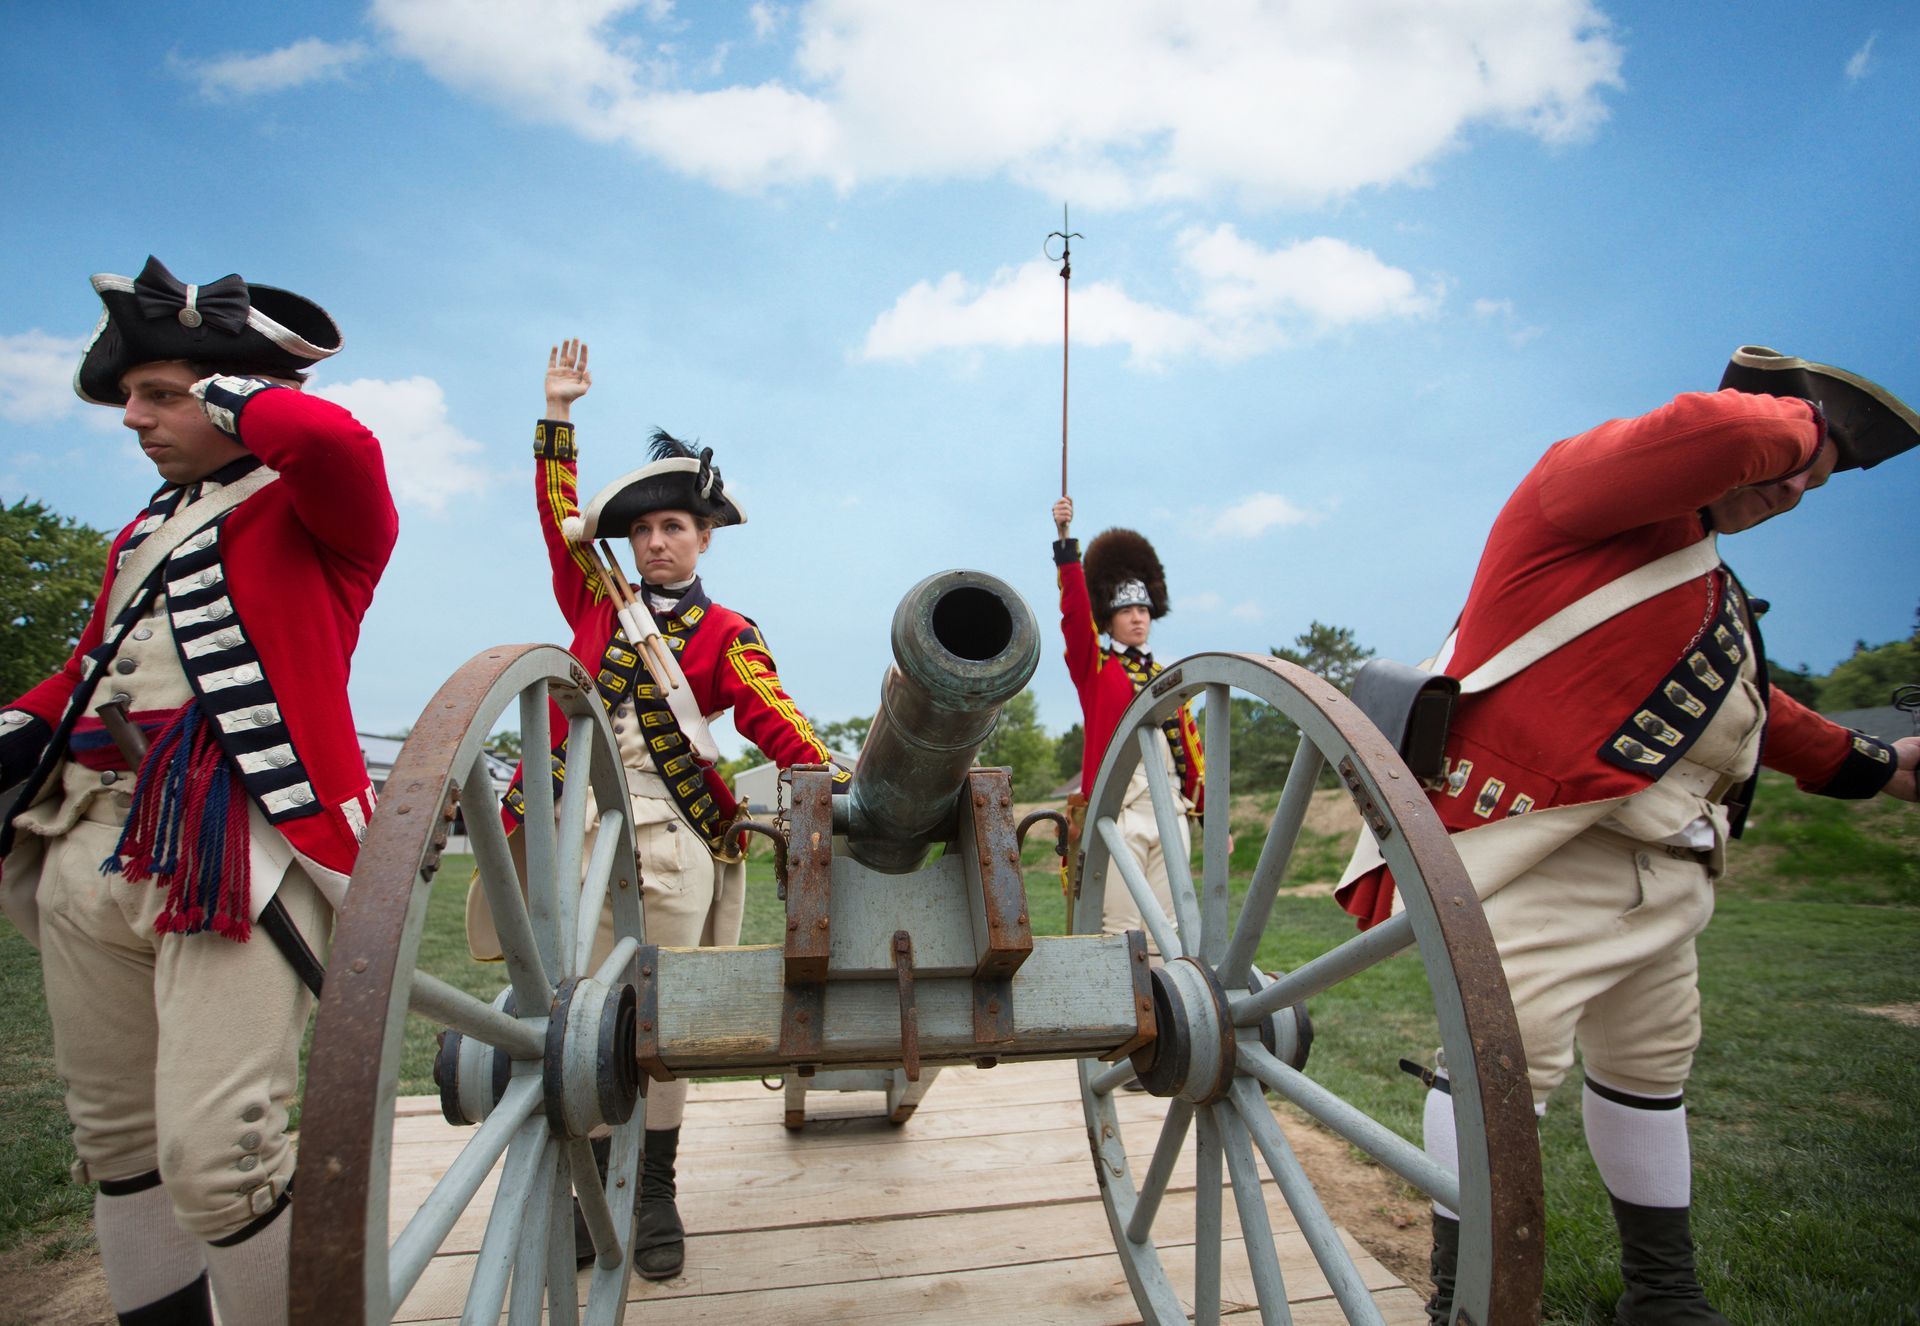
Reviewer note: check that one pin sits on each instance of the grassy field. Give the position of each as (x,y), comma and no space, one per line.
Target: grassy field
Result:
(1803,1101)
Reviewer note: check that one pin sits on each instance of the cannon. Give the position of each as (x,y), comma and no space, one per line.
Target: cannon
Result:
(908,946)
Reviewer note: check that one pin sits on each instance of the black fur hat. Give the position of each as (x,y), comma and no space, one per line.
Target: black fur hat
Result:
(1868,423)
(1116,560)
(155,316)
(679,479)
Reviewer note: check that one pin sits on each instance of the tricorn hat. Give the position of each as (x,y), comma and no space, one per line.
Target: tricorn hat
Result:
(227,322)
(1123,571)
(679,479)
(1867,422)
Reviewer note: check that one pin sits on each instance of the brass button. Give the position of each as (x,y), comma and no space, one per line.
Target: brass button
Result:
(253,1114)
(124,666)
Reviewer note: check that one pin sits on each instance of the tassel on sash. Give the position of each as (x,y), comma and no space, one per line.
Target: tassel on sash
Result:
(187,831)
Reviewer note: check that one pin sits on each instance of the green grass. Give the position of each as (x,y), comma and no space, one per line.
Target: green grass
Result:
(1805,1127)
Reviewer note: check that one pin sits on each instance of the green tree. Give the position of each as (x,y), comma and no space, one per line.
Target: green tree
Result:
(1068,751)
(1019,742)
(1263,740)
(53,569)
(1869,677)
(1798,682)
(1327,651)
(847,736)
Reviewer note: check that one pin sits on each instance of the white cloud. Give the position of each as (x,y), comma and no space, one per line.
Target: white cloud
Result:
(1860,63)
(429,461)
(1248,300)
(1206,600)
(1249,611)
(1503,311)
(309,60)
(36,381)
(1256,513)
(1113,103)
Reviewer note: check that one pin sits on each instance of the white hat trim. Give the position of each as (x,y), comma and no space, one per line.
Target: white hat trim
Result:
(586,526)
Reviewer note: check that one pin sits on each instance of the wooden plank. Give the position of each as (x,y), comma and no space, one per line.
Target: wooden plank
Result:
(935,1244)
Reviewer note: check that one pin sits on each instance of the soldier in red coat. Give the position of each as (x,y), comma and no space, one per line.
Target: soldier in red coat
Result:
(1120,592)
(692,881)
(223,630)
(1591,790)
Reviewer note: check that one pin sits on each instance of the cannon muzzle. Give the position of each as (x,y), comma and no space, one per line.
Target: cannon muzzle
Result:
(964,643)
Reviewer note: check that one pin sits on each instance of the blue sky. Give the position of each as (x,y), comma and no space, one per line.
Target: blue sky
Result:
(1347,269)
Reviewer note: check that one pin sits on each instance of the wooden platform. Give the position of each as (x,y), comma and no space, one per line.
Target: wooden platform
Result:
(982,1208)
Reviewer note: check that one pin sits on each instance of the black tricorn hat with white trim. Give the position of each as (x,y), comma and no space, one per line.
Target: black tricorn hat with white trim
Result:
(1867,422)
(1123,571)
(679,479)
(228,322)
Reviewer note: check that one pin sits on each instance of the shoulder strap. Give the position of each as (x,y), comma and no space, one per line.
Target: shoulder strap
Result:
(1585,613)
(178,528)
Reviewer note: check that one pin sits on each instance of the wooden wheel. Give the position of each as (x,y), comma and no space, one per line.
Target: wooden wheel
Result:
(540,1069)
(1227,1030)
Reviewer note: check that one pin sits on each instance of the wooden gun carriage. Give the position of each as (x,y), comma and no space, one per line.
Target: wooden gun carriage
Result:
(897,959)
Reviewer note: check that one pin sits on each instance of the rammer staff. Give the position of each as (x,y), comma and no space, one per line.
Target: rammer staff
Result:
(639,626)
(1066,236)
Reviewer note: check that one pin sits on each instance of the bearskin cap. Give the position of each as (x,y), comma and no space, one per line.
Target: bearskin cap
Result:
(1113,558)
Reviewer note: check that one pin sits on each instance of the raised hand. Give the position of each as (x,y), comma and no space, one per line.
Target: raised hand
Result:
(1063,515)
(567,377)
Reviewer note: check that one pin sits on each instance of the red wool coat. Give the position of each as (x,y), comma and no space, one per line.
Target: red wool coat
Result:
(1104,687)
(1594,508)
(725,660)
(301,558)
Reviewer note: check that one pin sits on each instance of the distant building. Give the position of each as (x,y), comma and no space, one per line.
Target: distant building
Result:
(380,754)
(1882,721)
(758,789)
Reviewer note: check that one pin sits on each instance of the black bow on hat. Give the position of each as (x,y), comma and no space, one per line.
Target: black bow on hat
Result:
(229,323)
(158,293)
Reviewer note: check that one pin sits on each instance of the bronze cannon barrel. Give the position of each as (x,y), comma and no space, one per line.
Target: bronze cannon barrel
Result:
(964,643)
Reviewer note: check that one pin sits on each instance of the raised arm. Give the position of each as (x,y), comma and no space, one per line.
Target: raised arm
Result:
(331,465)
(1076,608)
(556,496)
(1675,460)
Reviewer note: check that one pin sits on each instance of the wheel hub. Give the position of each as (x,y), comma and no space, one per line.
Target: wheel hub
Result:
(1193,1056)
(592,1074)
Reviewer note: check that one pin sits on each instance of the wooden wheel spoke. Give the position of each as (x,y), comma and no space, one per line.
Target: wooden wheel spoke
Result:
(1207,1231)
(570,833)
(1169,822)
(454,1193)
(453,1007)
(1216,854)
(590,1190)
(1114,1075)
(1373,1137)
(527,1295)
(505,1224)
(1256,1231)
(1337,964)
(593,889)
(538,828)
(562,1270)
(1315,1224)
(1166,1153)
(505,898)
(1276,854)
(1136,880)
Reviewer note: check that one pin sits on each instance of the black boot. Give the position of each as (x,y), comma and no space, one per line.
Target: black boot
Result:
(583,1253)
(1441,1264)
(659,1239)
(191,1305)
(1656,1261)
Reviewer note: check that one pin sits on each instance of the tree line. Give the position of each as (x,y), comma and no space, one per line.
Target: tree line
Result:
(51,566)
